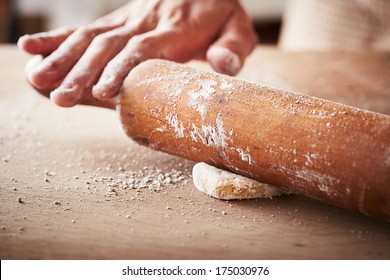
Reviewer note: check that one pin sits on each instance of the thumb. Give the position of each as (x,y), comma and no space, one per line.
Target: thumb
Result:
(237,40)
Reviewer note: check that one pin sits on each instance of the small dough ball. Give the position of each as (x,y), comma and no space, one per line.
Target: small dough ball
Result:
(222,184)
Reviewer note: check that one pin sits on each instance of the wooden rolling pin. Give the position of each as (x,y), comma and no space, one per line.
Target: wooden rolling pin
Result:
(332,152)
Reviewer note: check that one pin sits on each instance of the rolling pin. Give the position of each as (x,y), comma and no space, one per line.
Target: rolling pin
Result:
(328,151)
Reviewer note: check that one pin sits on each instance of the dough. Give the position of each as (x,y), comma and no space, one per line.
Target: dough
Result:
(222,184)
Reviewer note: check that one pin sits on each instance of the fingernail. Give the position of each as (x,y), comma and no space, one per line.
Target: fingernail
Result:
(42,78)
(21,41)
(98,92)
(65,97)
(32,64)
(34,78)
(225,60)
(102,89)
(233,63)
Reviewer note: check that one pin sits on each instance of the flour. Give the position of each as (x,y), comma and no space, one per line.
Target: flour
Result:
(225,84)
(244,155)
(177,125)
(213,135)
(325,182)
(6,158)
(149,177)
(199,99)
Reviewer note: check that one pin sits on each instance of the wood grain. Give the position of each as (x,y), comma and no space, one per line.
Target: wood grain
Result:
(177,222)
(329,151)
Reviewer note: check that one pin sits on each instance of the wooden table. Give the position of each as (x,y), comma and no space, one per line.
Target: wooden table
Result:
(62,173)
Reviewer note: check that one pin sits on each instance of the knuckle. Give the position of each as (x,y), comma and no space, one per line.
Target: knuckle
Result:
(141,40)
(87,31)
(62,30)
(84,31)
(157,42)
(50,66)
(105,39)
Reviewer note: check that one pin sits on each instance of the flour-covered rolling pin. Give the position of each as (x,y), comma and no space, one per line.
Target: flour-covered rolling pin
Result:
(332,152)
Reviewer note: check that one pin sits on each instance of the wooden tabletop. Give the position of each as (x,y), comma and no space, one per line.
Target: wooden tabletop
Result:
(74,187)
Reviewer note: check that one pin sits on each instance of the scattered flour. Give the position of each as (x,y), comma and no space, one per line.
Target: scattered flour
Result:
(148,177)
(198,99)
(211,135)
(225,84)
(176,125)
(244,154)
(324,182)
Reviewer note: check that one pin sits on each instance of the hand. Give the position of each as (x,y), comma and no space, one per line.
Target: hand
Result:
(77,64)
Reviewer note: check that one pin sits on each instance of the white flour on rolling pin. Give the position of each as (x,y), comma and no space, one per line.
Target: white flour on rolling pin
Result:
(225,185)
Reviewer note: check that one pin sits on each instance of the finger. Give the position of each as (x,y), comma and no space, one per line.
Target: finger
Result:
(87,70)
(46,42)
(115,72)
(33,63)
(87,99)
(153,44)
(227,54)
(57,65)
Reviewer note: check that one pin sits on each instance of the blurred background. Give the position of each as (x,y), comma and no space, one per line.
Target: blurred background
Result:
(19,17)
